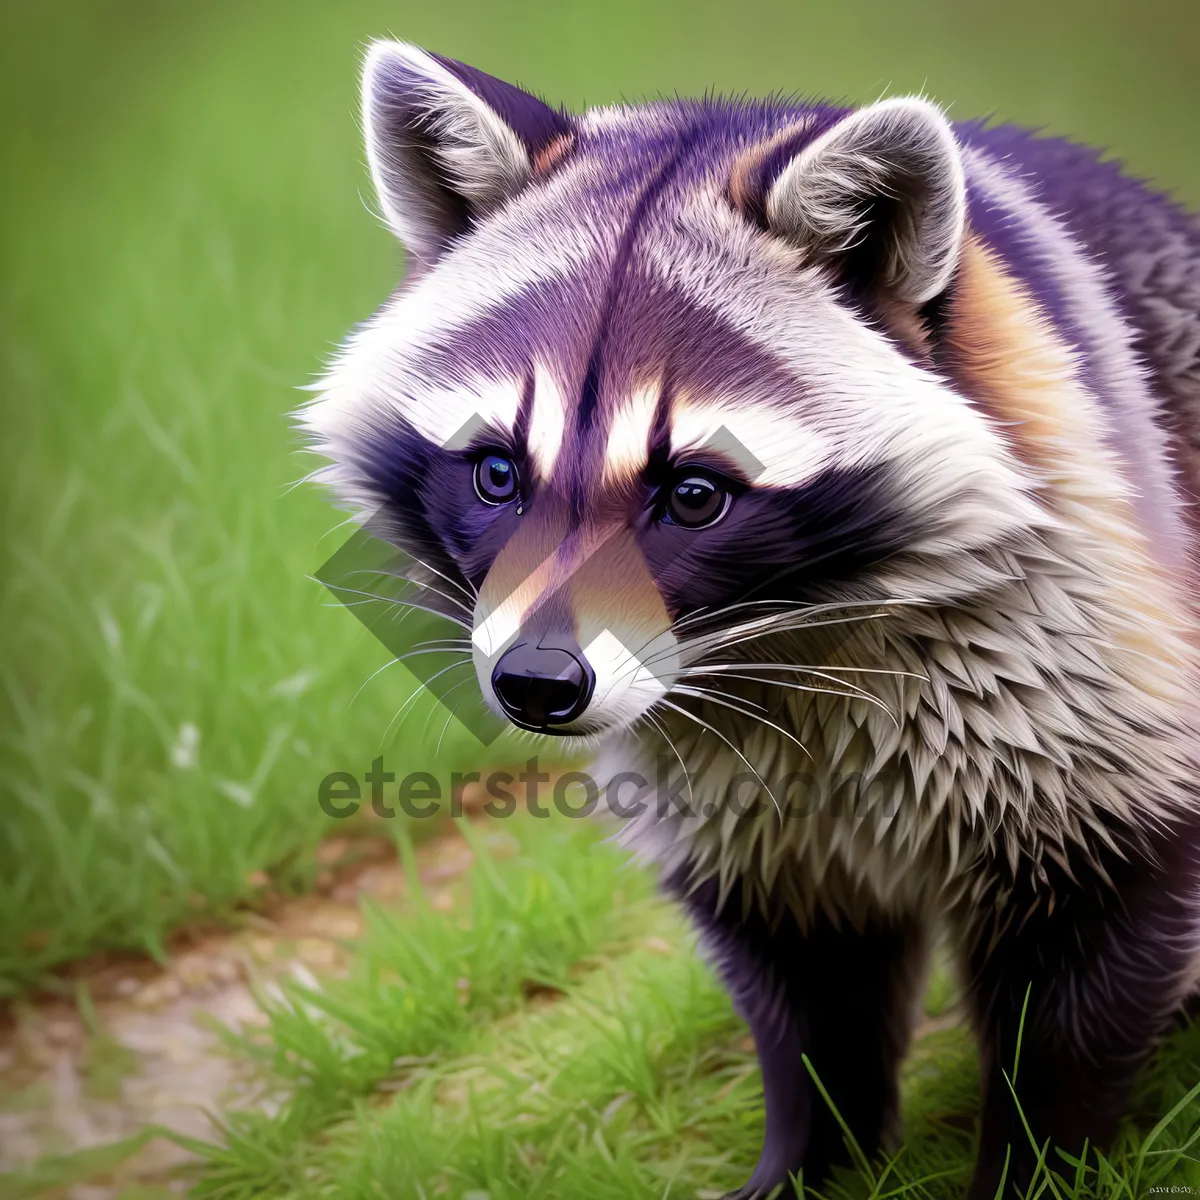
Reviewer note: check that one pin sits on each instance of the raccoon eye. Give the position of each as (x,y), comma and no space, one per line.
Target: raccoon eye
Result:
(695,501)
(496,479)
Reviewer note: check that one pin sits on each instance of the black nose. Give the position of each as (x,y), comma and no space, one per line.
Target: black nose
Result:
(540,686)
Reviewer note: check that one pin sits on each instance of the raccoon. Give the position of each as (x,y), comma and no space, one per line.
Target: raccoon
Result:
(849,461)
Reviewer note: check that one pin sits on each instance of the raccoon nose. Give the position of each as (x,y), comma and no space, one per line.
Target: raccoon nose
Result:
(540,686)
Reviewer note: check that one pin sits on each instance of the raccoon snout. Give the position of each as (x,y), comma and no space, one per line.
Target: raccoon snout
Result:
(542,685)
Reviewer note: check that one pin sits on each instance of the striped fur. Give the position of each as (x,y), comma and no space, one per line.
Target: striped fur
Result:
(935,666)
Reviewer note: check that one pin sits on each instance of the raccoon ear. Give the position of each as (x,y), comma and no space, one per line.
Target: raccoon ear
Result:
(882,196)
(446,144)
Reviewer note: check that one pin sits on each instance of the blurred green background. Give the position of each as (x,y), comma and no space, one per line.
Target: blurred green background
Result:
(185,236)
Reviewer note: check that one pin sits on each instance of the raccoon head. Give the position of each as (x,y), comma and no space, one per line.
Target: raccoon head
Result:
(658,375)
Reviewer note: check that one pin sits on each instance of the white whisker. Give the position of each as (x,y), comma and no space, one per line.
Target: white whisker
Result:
(391,662)
(408,704)
(712,669)
(665,733)
(717,698)
(418,583)
(804,668)
(375,598)
(466,587)
(442,698)
(768,626)
(717,733)
(857,694)
(785,607)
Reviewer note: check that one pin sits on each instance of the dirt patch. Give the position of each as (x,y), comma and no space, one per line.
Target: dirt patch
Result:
(138,1046)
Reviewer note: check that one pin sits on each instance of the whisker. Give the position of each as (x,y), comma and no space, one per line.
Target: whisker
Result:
(717,698)
(428,587)
(795,620)
(432,650)
(717,733)
(467,588)
(785,606)
(387,735)
(817,673)
(635,656)
(374,597)
(417,582)
(461,643)
(751,664)
(442,697)
(707,643)
(665,733)
(857,694)
(700,647)
(768,627)
(696,690)
(391,662)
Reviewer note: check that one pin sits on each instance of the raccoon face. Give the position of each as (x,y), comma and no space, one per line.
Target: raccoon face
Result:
(658,375)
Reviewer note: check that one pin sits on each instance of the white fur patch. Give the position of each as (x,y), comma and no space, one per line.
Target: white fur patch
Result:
(548,421)
(449,417)
(625,686)
(627,449)
(771,446)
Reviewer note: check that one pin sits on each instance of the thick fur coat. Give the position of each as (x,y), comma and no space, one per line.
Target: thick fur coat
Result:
(846,462)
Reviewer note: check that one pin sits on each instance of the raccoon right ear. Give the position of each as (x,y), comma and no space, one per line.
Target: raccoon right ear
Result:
(446,143)
(880,197)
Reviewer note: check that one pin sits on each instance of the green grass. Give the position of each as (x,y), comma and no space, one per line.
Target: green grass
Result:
(444,1067)
(172,684)
(182,240)
(555,1035)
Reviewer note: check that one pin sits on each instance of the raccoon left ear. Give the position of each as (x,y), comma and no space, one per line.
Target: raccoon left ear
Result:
(881,195)
(446,143)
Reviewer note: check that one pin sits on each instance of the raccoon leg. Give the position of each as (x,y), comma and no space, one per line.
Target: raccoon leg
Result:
(842,996)
(1102,948)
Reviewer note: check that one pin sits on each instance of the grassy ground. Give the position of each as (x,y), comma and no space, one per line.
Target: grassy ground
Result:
(555,1035)
(172,687)
(182,239)
(544,1029)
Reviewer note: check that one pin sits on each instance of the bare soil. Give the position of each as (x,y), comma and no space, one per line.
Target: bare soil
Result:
(146,1049)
